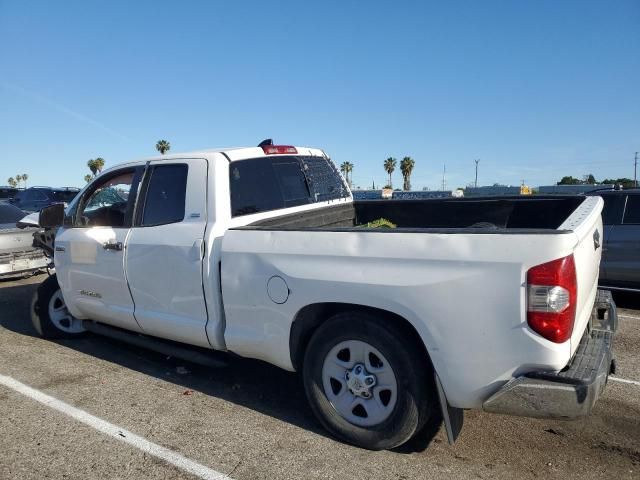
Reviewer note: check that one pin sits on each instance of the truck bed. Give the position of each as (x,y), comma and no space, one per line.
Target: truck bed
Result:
(482,215)
(455,269)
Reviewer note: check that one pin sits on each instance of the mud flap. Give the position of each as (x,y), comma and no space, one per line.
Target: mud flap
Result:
(453,417)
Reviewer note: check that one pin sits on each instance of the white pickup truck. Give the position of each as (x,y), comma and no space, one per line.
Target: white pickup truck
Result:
(488,303)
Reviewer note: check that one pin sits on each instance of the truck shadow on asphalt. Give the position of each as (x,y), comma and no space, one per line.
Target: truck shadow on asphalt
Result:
(249,383)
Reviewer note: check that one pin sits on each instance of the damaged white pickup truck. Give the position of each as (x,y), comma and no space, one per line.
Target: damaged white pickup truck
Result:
(488,303)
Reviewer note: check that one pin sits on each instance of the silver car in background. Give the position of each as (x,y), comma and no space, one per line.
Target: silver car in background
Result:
(18,256)
(620,266)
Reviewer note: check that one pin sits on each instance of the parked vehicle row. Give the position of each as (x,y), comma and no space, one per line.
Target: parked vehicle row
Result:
(263,252)
(34,199)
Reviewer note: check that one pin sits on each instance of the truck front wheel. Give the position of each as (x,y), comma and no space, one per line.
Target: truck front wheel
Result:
(366,382)
(49,312)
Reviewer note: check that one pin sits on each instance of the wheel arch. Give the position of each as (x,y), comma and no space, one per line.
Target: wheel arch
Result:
(310,317)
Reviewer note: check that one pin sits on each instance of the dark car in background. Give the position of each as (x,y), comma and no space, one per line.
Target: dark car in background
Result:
(7,193)
(620,266)
(34,199)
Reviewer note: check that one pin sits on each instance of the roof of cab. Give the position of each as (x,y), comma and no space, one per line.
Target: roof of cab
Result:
(232,153)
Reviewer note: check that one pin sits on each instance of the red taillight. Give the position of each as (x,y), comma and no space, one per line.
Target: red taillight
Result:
(278,149)
(551,299)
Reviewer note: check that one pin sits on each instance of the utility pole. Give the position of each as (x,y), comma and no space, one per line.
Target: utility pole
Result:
(635,171)
(475,184)
(444,177)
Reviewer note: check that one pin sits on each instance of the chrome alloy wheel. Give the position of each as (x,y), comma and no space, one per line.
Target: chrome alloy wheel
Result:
(61,317)
(359,383)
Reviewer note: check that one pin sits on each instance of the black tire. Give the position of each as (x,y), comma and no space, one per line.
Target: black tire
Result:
(40,311)
(416,397)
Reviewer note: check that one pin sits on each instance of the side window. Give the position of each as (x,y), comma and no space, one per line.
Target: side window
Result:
(612,211)
(165,198)
(325,180)
(632,210)
(109,203)
(254,187)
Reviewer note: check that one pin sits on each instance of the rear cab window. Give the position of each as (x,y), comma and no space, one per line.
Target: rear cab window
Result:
(272,183)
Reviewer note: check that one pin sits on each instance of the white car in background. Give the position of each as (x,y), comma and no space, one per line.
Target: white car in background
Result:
(18,256)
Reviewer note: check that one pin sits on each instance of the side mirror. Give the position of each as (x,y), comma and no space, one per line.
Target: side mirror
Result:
(52,216)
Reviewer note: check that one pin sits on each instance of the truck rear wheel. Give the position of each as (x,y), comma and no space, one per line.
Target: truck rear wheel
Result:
(367,383)
(49,312)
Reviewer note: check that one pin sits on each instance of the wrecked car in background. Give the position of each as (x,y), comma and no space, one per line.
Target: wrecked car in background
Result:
(18,255)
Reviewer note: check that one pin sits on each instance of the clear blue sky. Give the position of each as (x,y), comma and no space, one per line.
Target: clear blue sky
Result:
(536,90)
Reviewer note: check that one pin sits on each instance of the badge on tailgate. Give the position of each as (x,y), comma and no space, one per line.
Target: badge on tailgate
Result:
(596,239)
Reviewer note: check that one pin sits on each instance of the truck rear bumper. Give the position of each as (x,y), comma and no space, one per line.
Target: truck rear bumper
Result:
(573,391)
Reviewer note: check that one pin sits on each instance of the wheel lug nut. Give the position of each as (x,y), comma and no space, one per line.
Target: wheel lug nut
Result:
(369,381)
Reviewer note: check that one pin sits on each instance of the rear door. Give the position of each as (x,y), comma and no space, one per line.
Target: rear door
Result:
(166,248)
(623,247)
(89,256)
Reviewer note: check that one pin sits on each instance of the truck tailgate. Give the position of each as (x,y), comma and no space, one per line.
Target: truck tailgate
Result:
(586,223)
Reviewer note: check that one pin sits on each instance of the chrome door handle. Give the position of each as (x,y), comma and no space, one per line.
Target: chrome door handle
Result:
(112,246)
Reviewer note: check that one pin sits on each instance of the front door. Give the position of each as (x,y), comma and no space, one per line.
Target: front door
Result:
(165,251)
(90,250)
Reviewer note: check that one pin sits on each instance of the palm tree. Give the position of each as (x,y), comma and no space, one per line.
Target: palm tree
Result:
(92,166)
(346,168)
(12,182)
(18,180)
(163,146)
(390,166)
(406,167)
(87,178)
(25,177)
(99,163)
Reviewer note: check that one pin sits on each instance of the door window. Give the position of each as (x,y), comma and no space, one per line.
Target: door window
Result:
(165,198)
(109,203)
(632,210)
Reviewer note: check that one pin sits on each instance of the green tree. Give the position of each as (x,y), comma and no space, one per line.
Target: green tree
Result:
(346,168)
(99,162)
(625,182)
(389,167)
(406,167)
(93,167)
(590,179)
(12,182)
(87,178)
(96,165)
(569,180)
(163,146)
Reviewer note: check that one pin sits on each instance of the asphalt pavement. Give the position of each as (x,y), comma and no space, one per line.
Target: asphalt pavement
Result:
(250,420)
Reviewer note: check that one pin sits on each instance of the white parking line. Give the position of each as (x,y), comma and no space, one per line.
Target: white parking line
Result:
(631,317)
(114,431)
(624,380)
